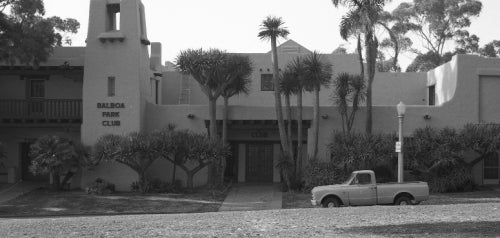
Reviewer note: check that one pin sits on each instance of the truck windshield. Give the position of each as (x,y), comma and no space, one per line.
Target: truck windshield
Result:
(350,178)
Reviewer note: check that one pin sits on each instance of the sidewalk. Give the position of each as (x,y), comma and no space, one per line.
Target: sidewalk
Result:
(247,197)
(16,190)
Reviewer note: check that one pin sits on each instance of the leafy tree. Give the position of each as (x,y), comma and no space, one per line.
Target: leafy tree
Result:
(435,23)
(491,49)
(341,50)
(357,151)
(442,156)
(317,73)
(192,152)
(348,88)
(428,61)
(58,156)
(362,19)
(136,150)
(272,29)
(466,43)
(26,36)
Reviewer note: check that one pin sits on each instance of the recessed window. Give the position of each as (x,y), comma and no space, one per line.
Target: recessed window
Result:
(113,17)
(111,86)
(266,82)
(37,88)
(432,95)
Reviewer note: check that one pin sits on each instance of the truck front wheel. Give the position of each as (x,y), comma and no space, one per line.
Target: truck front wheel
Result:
(331,202)
(403,201)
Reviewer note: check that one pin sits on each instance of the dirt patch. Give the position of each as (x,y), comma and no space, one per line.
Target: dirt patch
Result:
(42,202)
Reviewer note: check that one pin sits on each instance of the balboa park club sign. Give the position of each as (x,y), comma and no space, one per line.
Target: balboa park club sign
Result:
(110,118)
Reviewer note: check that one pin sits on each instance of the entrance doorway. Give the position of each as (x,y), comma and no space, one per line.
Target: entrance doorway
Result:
(259,162)
(491,169)
(26,175)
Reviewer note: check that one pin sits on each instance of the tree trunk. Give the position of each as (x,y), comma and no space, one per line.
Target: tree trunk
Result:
(174,170)
(224,120)
(299,130)
(370,60)
(360,57)
(143,183)
(289,120)
(189,180)
(56,183)
(66,178)
(277,100)
(212,107)
(315,122)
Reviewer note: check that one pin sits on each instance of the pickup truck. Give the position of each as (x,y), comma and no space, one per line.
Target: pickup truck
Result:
(361,189)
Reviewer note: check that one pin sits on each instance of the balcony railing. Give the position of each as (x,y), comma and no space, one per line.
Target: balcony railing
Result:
(41,110)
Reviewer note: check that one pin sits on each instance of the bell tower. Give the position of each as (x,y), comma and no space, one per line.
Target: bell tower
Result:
(117,69)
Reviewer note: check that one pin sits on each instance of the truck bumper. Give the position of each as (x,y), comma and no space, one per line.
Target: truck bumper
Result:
(314,202)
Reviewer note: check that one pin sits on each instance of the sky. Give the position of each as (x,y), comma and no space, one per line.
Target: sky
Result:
(233,25)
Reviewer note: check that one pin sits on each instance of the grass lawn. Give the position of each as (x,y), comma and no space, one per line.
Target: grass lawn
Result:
(303,200)
(42,202)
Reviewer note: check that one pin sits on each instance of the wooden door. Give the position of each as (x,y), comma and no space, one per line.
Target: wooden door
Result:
(259,166)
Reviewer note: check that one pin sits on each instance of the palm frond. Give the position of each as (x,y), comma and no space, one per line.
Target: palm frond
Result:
(318,71)
(272,27)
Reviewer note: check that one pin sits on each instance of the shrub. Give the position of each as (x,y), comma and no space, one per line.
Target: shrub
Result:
(438,156)
(100,187)
(322,173)
(158,186)
(358,151)
(58,156)
(135,150)
(450,179)
(191,151)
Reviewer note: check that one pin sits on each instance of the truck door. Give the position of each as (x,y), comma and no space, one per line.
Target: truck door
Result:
(362,191)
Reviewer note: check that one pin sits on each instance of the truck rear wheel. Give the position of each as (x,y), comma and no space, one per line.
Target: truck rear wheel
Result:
(331,202)
(403,201)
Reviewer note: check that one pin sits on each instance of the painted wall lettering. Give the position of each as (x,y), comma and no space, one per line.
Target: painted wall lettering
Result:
(108,114)
(111,123)
(118,105)
(259,134)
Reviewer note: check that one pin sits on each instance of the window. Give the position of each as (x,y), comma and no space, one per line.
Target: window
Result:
(364,179)
(491,166)
(113,17)
(266,82)
(111,86)
(37,88)
(432,95)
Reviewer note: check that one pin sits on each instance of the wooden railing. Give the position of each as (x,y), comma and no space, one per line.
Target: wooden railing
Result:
(41,109)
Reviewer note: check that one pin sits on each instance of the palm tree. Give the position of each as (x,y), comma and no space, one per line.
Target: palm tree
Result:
(297,67)
(240,67)
(287,88)
(291,83)
(353,86)
(272,29)
(317,72)
(361,19)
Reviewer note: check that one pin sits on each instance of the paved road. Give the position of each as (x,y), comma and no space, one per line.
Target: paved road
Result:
(457,220)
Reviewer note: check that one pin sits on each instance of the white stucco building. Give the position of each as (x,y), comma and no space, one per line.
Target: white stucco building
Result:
(117,84)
